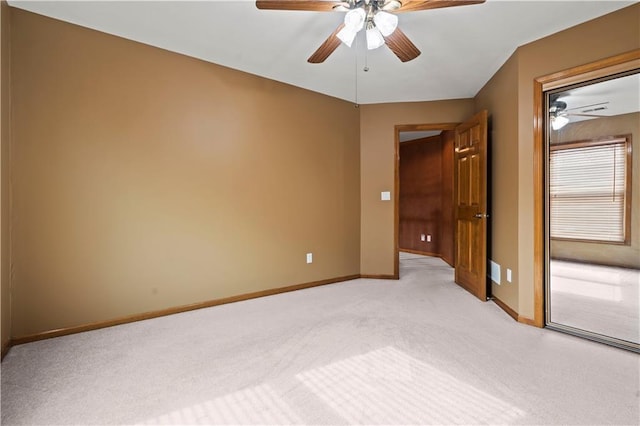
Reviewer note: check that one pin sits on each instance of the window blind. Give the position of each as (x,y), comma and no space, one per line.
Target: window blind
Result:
(587,191)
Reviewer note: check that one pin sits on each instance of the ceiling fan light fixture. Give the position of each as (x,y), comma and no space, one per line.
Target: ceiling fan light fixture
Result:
(386,22)
(557,106)
(558,121)
(374,38)
(347,35)
(355,18)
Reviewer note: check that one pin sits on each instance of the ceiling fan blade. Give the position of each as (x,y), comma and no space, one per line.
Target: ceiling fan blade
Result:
(414,5)
(400,44)
(586,115)
(588,106)
(309,5)
(330,44)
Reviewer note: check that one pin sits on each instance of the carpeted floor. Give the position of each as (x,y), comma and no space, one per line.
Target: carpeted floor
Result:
(417,351)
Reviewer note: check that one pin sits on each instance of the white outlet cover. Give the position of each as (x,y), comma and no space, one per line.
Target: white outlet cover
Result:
(385,196)
(428,238)
(309,257)
(508,275)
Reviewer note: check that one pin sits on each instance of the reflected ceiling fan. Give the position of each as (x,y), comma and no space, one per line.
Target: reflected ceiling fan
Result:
(377,17)
(559,114)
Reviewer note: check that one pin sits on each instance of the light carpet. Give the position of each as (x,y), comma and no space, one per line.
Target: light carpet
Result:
(416,351)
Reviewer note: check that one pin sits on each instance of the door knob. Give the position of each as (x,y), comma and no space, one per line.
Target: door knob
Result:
(480,215)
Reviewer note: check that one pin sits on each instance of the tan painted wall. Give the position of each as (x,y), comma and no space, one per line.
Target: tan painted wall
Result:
(157,174)
(512,151)
(509,98)
(608,254)
(5,135)
(606,36)
(144,179)
(377,145)
(500,97)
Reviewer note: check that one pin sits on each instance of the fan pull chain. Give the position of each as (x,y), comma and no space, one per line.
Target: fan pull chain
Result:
(366,62)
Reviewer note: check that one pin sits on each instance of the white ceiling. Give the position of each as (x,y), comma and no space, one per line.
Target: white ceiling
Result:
(462,47)
(607,98)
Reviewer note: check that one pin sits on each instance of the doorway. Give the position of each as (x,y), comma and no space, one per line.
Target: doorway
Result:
(425,225)
(458,192)
(409,132)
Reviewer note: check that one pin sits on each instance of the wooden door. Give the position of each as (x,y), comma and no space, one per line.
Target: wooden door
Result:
(470,205)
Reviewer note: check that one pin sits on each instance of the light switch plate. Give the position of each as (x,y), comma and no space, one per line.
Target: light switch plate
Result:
(385,195)
(309,257)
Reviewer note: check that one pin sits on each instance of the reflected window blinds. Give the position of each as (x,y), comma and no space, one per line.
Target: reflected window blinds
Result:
(588,190)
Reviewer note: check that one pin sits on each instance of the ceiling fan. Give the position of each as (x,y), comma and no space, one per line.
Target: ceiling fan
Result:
(377,17)
(559,114)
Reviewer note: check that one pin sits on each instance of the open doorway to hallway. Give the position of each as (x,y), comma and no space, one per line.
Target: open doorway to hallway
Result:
(458,193)
(425,211)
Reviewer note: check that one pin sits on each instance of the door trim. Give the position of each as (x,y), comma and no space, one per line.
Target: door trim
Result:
(608,66)
(396,181)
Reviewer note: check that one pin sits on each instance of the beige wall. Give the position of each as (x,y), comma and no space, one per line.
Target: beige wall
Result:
(606,36)
(5,134)
(509,98)
(500,97)
(144,179)
(608,254)
(377,145)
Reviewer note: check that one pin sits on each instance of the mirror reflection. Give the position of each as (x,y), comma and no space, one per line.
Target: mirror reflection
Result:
(593,215)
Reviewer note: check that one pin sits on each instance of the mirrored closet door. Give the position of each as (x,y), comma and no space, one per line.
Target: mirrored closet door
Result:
(593,209)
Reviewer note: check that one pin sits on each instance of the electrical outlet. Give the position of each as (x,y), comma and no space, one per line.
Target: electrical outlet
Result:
(508,275)
(422,237)
(428,238)
(309,257)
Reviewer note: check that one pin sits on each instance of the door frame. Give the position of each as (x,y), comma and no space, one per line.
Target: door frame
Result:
(602,68)
(396,182)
